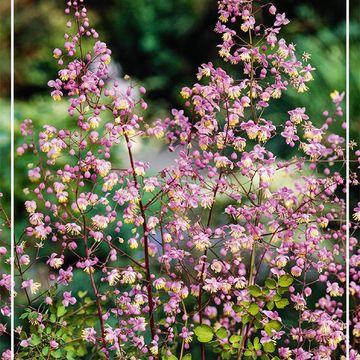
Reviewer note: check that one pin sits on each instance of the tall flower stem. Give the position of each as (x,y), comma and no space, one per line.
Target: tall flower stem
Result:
(88,256)
(244,329)
(146,245)
(216,189)
(200,307)
(85,237)
(95,290)
(251,277)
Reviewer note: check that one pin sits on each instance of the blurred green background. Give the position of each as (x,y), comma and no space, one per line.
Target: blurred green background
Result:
(161,43)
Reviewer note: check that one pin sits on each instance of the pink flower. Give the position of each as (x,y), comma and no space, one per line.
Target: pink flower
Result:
(68,299)
(89,335)
(281,20)
(54,344)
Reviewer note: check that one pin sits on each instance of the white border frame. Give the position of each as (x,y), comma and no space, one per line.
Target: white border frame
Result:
(12,165)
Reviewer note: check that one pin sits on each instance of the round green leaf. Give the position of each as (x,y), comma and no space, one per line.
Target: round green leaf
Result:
(257,345)
(269,347)
(221,333)
(171,357)
(281,304)
(234,339)
(245,319)
(35,340)
(45,350)
(255,291)
(272,325)
(285,280)
(204,333)
(61,311)
(253,309)
(248,353)
(270,283)
(57,353)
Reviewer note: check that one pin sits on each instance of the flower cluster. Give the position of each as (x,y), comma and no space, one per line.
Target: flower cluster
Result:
(354,280)
(5,283)
(214,250)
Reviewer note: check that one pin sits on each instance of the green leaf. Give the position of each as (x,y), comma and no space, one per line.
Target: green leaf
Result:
(204,333)
(88,300)
(226,347)
(221,333)
(270,305)
(270,283)
(45,350)
(285,280)
(70,355)
(254,309)
(187,357)
(81,350)
(248,353)
(65,337)
(33,315)
(82,294)
(258,324)
(282,291)
(57,354)
(226,355)
(236,308)
(171,357)
(234,339)
(281,304)
(61,311)
(52,318)
(35,340)
(269,347)
(255,291)
(24,315)
(272,325)
(257,344)
(245,319)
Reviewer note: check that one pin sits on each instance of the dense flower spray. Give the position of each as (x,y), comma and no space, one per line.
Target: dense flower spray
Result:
(5,283)
(213,251)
